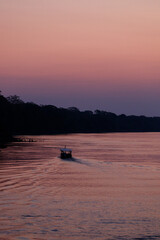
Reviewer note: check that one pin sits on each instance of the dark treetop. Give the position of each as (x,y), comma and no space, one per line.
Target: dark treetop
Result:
(17,117)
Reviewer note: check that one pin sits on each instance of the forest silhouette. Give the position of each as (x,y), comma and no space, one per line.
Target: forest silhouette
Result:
(20,118)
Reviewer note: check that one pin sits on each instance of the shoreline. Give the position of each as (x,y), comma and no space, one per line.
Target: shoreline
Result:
(16,137)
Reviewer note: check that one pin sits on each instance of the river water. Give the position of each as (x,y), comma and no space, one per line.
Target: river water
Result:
(111,190)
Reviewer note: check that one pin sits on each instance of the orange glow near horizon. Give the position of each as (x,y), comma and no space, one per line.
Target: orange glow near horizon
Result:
(102,43)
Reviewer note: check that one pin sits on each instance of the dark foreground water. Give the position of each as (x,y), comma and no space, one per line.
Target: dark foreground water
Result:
(111,190)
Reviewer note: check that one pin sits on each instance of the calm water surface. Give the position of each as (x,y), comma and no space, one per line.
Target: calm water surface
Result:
(111,190)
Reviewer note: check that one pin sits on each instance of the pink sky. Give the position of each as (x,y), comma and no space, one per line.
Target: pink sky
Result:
(89,54)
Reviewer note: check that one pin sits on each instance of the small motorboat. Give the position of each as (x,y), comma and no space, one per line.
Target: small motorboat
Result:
(66,153)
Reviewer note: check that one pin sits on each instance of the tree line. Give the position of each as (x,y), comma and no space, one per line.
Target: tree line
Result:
(18,117)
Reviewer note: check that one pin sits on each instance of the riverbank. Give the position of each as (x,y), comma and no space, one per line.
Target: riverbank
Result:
(20,118)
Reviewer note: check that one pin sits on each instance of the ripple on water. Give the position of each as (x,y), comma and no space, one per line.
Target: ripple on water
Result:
(110,191)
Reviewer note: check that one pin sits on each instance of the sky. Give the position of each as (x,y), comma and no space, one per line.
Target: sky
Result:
(91,54)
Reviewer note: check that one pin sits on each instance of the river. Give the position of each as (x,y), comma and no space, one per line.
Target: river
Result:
(111,191)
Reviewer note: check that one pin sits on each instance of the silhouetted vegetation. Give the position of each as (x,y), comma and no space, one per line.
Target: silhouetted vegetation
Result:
(5,121)
(17,117)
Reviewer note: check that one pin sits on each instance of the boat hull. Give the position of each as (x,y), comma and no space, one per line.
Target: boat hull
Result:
(66,155)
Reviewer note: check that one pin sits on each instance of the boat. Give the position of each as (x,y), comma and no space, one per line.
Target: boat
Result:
(66,153)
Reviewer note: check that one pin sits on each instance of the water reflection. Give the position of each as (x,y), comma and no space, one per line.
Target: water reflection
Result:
(110,191)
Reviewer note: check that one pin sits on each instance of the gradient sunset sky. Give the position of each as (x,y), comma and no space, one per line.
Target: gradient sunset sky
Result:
(91,54)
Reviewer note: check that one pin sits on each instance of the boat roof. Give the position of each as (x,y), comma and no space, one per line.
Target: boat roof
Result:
(66,149)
